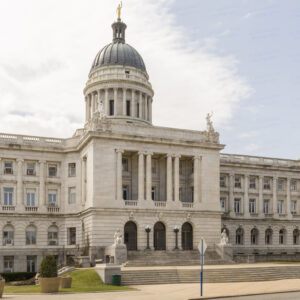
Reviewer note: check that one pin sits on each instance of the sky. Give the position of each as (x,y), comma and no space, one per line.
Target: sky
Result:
(236,58)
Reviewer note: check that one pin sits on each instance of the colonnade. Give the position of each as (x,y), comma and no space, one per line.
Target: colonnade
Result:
(134,103)
(145,176)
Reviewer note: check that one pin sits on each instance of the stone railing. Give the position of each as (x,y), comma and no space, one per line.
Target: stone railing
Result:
(187,205)
(8,208)
(31,208)
(52,209)
(23,139)
(233,158)
(160,203)
(131,202)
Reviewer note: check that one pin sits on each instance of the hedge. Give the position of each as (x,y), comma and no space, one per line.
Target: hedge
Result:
(48,267)
(17,276)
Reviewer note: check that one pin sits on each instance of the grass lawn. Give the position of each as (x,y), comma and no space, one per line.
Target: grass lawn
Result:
(86,280)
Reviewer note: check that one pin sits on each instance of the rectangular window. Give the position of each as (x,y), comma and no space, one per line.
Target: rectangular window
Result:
(125,192)
(31,237)
(8,167)
(125,164)
(192,194)
(111,107)
(252,183)
(266,206)
(237,204)
(8,264)
(128,108)
(52,198)
(8,237)
(267,185)
(52,238)
(280,206)
(52,170)
(31,263)
(280,185)
(30,169)
(72,236)
(293,185)
(72,169)
(252,208)
(72,195)
(293,207)
(223,203)
(153,193)
(30,198)
(237,182)
(8,196)
(222,181)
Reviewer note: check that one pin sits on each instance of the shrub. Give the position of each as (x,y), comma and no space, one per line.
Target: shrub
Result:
(48,267)
(17,276)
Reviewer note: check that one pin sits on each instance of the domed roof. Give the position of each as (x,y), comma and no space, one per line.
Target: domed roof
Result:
(118,52)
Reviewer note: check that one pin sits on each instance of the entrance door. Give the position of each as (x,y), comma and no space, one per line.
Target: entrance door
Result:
(187,236)
(130,235)
(159,236)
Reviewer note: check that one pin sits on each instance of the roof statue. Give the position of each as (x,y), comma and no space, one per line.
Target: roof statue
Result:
(209,123)
(119,10)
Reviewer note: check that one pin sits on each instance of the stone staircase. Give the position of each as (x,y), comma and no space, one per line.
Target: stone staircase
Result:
(171,258)
(217,275)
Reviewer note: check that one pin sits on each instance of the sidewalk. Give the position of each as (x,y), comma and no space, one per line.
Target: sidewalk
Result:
(176,291)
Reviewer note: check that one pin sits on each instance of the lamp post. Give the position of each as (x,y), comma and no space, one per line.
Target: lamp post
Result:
(176,230)
(148,229)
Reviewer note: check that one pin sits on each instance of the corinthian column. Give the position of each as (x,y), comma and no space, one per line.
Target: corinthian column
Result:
(146,107)
(20,199)
(86,109)
(246,195)
(141,106)
(42,183)
(133,113)
(148,176)
(124,102)
(288,197)
(115,101)
(260,194)
(119,174)
(196,178)
(141,177)
(176,177)
(106,102)
(274,206)
(169,177)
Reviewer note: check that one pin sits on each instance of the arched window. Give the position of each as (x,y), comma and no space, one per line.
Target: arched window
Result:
(296,237)
(239,236)
(8,235)
(268,236)
(254,236)
(52,235)
(281,237)
(30,235)
(187,236)
(159,237)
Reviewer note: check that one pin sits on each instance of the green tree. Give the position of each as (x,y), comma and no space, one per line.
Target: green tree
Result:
(48,267)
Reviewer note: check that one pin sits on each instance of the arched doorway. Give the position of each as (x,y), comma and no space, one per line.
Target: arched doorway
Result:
(187,236)
(159,236)
(130,235)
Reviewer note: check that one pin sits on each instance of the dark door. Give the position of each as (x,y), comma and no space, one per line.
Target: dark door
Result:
(187,236)
(130,236)
(159,236)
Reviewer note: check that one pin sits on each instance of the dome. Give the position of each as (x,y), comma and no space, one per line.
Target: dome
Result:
(118,52)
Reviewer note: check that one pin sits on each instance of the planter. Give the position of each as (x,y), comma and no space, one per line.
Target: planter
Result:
(66,282)
(2,282)
(49,285)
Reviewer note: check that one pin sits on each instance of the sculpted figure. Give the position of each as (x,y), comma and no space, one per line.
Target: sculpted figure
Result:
(224,237)
(209,123)
(118,237)
(100,109)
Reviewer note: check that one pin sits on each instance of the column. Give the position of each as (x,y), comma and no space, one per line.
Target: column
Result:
(146,107)
(288,196)
(141,106)
(42,183)
(115,101)
(124,102)
(231,195)
(169,177)
(90,106)
(176,177)
(196,178)
(119,174)
(93,99)
(148,176)
(106,102)
(133,113)
(141,176)
(19,198)
(150,109)
(260,195)
(86,109)
(274,206)
(83,178)
(246,195)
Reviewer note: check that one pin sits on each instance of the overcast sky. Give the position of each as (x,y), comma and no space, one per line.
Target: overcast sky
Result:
(237,58)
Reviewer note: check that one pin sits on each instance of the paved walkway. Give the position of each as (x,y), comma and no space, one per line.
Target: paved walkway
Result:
(176,291)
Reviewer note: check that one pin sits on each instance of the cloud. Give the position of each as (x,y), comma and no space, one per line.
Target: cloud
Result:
(249,134)
(48,48)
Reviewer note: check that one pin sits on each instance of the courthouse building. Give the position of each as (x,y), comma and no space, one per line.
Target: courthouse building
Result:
(68,196)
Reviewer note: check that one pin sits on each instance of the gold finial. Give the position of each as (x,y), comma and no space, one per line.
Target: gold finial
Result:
(119,10)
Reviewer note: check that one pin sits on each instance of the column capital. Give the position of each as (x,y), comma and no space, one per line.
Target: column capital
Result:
(141,152)
(196,157)
(42,161)
(20,160)
(149,153)
(246,175)
(177,155)
(169,155)
(119,150)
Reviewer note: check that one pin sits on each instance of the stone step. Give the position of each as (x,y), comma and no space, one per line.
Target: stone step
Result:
(136,277)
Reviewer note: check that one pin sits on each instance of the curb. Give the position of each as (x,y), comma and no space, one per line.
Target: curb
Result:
(245,295)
